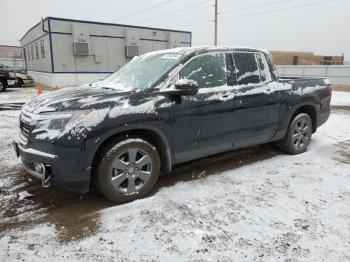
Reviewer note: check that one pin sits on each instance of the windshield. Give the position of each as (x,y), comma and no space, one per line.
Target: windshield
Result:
(142,72)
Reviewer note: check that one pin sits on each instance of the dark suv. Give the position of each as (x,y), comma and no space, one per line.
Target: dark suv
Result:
(164,108)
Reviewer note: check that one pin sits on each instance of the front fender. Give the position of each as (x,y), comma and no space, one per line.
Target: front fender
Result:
(93,145)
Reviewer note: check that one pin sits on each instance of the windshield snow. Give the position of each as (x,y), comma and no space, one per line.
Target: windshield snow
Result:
(142,72)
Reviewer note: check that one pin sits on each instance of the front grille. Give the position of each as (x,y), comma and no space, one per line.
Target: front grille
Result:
(25,126)
(25,129)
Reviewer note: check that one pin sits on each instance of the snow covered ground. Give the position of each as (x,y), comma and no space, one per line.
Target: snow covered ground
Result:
(17,94)
(250,205)
(341,98)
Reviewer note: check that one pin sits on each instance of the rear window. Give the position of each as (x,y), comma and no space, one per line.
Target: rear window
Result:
(246,68)
(264,68)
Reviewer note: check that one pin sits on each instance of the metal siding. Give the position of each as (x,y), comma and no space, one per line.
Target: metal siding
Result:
(41,64)
(63,53)
(339,75)
(106,40)
(35,33)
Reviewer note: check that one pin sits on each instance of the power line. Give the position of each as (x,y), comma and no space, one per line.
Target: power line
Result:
(262,12)
(166,15)
(280,9)
(146,9)
(256,6)
(163,16)
(246,8)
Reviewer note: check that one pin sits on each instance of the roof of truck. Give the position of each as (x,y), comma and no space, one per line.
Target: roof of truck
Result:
(204,49)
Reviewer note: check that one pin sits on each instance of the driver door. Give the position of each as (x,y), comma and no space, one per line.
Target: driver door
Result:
(203,123)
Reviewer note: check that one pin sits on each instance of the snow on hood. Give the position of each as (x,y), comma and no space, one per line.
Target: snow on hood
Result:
(78,130)
(69,99)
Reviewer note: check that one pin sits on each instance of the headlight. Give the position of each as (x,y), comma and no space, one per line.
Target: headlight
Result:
(58,121)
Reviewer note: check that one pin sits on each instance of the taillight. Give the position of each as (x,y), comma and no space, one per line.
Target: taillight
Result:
(330,89)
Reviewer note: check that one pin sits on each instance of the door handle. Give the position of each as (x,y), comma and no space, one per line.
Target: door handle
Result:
(269,91)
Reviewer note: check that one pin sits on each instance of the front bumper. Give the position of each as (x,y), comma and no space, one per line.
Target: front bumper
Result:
(63,173)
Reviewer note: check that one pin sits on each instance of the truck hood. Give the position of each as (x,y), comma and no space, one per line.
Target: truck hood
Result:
(74,98)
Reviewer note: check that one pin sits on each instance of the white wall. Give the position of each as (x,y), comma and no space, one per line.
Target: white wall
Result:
(339,75)
(64,80)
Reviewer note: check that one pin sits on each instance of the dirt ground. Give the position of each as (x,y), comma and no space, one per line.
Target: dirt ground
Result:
(255,204)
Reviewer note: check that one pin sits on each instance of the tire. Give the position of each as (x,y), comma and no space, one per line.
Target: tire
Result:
(19,82)
(298,136)
(129,169)
(3,85)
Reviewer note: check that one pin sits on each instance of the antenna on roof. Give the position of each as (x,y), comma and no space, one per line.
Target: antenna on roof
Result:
(43,25)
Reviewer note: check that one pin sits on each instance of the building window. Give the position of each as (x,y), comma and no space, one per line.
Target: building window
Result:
(32,51)
(36,51)
(42,48)
(295,60)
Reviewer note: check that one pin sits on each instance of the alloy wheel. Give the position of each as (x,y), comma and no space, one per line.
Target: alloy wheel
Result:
(301,134)
(131,171)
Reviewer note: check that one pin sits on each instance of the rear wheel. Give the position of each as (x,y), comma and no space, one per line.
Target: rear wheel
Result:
(128,170)
(2,85)
(298,135)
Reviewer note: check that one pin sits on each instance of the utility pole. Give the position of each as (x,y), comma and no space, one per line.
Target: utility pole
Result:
(216,23)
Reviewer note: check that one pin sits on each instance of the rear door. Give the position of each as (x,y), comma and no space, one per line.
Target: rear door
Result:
(257,102)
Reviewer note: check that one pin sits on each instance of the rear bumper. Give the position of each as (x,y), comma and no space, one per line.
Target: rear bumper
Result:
(62,173)
(28,81)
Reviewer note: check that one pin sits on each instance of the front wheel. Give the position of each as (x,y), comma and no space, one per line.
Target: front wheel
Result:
(298,136)
(2,85)
(128,170)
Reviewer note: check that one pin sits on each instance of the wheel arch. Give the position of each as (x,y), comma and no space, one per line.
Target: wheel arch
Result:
(151,134)
(310,110)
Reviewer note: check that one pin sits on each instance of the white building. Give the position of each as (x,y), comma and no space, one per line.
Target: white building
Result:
(66,52)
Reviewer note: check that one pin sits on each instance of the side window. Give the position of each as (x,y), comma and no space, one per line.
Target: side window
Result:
(247,71)
(42,48)
(36,51)
(264,68)
(207,70)
(32,51)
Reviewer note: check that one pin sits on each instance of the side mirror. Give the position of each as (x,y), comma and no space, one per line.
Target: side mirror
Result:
(184,87)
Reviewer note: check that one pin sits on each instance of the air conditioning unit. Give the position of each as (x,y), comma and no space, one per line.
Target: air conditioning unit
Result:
(81,40)
(132,43)
(131,51)
(81,48)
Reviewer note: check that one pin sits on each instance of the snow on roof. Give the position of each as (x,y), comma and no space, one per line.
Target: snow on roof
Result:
(189,50)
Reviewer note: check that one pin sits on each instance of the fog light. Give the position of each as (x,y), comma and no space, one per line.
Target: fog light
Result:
(39,168)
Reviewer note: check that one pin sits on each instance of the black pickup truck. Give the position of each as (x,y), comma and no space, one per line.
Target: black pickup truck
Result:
(165,108)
